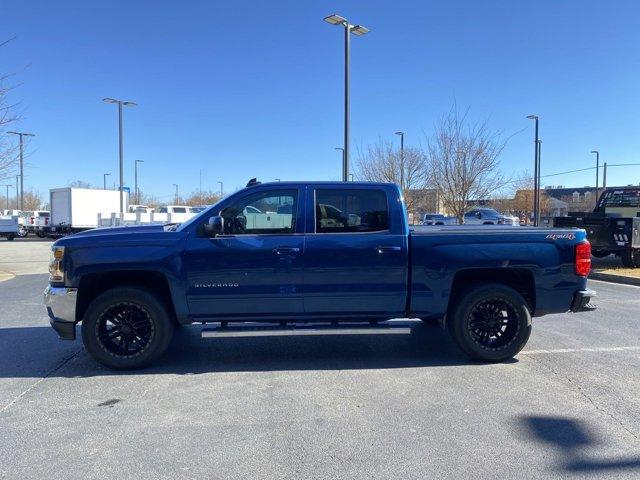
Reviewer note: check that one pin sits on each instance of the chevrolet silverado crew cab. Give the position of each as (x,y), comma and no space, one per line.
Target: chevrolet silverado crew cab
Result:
(311,259)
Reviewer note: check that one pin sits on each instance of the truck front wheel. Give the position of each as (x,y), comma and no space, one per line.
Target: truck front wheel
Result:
(126,328)
(631,258)
(490,322)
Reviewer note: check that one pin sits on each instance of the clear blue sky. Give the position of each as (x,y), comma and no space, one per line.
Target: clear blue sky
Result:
(254,88)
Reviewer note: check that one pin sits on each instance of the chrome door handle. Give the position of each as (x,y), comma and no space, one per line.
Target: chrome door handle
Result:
(382,250)
(283,250)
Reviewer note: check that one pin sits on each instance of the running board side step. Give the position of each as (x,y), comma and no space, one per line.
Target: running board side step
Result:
(257,329)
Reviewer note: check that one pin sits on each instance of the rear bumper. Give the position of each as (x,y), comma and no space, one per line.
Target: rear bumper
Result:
(582,301)
(60,303)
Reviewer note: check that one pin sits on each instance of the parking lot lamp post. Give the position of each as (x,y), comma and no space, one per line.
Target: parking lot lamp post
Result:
(538,182)
(342,153)
(356,30)
(17,189)
(401,160)
(221,191)
(137,192)
(8,187)
(536,172)
(120,104)
(176,198)
(21,135)
(104,180)
(597,169)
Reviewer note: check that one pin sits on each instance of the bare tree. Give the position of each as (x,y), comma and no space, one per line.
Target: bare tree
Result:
(463,161)
(8,115)
(523,194)
(382,163)
(206,197)
(79,184)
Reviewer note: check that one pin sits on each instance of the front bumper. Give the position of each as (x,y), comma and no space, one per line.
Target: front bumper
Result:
(61,308)
(582,301)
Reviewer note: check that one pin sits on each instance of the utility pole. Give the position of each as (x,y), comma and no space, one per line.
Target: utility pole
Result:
(8,187)
(176,198)
(17,190)
(221,191)
(348,30)
(137,192)
(21,135)
(597,168)
(538,184)
(401,161)
(120,104)
(604,176)
(536,171)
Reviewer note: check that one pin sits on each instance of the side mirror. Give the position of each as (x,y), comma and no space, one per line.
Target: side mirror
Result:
(215,226)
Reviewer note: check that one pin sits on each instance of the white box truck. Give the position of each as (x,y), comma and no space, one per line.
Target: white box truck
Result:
(77,209)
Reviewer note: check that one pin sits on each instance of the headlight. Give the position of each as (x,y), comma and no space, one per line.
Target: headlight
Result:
(56,265)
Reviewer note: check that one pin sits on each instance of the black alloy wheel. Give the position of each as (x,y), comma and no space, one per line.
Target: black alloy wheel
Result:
(125,329)
(490,322)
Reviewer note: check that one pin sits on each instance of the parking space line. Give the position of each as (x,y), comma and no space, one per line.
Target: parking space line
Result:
(578,350)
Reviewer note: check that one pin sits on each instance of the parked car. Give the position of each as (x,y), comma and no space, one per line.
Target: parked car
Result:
(140,209)
(334,257)
(38,222)
(614,225)
(433,219)
(175,209)
(9,226)
(488,216)
(23,229)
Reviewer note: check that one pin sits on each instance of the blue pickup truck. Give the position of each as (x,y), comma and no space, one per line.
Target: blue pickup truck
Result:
(311,258)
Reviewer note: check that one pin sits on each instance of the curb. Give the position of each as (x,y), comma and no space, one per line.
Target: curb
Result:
(610,277)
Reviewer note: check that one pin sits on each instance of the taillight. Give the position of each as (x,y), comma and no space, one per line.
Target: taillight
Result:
(583,259)
(32,220)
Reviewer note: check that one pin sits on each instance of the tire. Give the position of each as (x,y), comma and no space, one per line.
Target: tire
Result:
(40,235)
(126,328)
(502,322)
(23,232)
(11,237)
(631,258)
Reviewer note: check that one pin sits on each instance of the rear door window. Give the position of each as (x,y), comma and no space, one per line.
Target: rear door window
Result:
(351,211)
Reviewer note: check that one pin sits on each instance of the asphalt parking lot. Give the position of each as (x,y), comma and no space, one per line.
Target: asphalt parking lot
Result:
(319,407)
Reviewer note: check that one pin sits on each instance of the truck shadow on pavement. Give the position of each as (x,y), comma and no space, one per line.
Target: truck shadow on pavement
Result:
(37,352)
(576,444)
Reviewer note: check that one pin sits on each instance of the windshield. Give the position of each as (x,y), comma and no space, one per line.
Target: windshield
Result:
(208,211)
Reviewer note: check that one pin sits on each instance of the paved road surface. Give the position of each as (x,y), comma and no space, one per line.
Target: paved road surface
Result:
(405,407)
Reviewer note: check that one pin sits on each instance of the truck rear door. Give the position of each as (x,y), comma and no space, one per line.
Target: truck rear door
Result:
(356,260)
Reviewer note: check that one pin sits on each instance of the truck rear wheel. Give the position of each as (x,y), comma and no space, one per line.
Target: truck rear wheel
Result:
(126,328)
(631,258)
(490,322)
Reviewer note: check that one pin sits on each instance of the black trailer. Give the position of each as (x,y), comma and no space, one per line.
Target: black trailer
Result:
(614,225)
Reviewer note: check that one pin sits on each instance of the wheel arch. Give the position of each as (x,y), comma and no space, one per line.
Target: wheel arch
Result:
(520,279)
(93,284)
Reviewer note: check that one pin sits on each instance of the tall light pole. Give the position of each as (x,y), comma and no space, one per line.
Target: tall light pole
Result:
(176,197)
(104,180)
(401,161)
(221,191)
(120,104)
(356,30)
(136,180)
(597,169)
(341,153)
(17,190)
(8,187)
(538,182)
(21,135)
(536,171)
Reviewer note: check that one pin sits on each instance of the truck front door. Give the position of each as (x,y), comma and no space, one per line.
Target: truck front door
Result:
(255,267)
(355,253)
